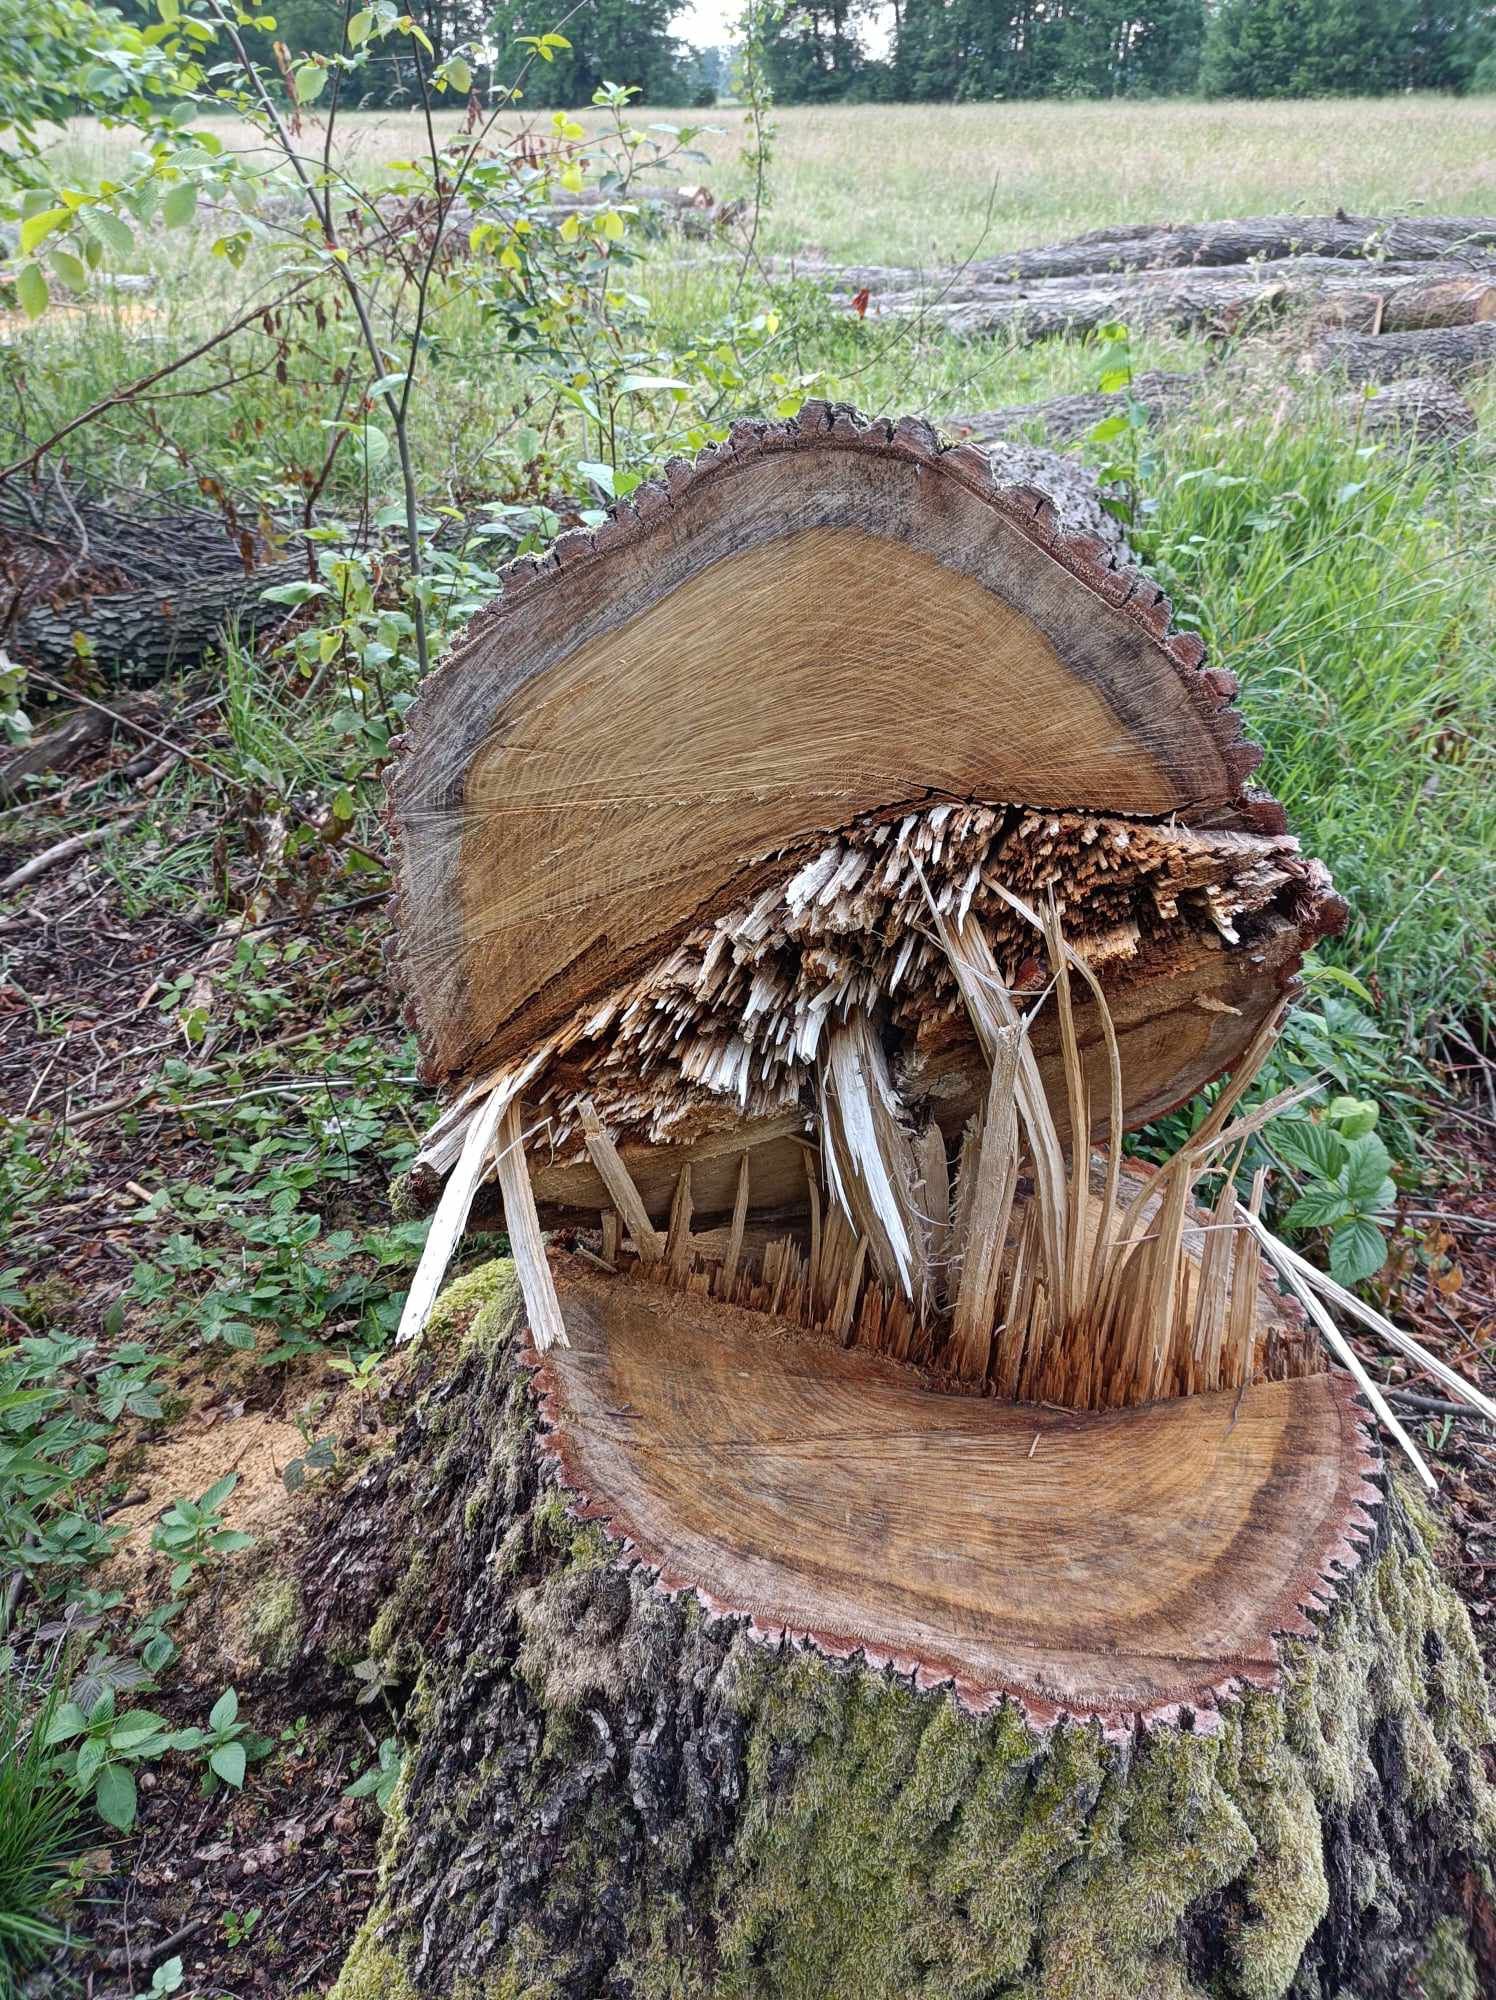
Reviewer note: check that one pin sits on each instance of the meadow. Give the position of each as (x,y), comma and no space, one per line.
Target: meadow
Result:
(932,184)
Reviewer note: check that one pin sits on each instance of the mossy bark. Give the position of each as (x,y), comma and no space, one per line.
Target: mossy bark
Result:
(608,1792)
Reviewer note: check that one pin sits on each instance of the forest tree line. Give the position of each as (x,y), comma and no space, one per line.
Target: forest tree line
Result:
(940,51)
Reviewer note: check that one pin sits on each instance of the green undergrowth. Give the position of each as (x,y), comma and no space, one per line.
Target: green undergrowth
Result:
(893,1845)
(1351,586)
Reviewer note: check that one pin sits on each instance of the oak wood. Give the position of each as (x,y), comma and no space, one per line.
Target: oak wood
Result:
(817,620)
(1114,1564)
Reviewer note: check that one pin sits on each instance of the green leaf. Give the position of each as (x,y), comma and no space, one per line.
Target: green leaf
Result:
(360,26)
(1366,1174)
(68,1721)
(91,1756)
(1113,380)
(231,1541)
(135,1728)
(459,75)
(1108,428)
(180,205)
(387,384)
(224,1710)
(228,1762)
(1336,975)
(36,228)
(115,1797)
(308,81)
(1320,1208)
(109,230)
(1356,1250)
(31,290)
(1353,1117)
(213,1499)
(1313,1149)
(600,475)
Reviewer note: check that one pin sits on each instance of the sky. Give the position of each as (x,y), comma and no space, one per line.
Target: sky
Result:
(706,24)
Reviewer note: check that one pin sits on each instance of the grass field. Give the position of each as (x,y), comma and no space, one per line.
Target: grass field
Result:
(924,184)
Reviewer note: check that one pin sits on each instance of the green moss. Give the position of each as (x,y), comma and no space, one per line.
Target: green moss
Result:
(478,1305)
(274,1621)
(1449,1970)
(371,1971)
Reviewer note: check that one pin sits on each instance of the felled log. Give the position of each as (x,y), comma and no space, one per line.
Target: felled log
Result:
(1265,239)
(142,592)
(143,634)
(1454,353)
(1466,301)
(1422,409)
(804,880)
(1176,300)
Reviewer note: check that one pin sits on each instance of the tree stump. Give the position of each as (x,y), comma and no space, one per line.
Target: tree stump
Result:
(882,1541)
(613,1789)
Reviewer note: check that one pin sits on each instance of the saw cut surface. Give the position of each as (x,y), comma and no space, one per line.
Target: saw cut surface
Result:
(1115,1565)
(813,622)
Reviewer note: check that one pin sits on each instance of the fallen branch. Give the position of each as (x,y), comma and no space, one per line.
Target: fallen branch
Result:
(63,850)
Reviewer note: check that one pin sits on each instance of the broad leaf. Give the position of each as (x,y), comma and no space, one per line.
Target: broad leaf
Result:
(115,1797)
(228,1762)
(31,290)
(224,1710)
(1356,1250)
(180,205)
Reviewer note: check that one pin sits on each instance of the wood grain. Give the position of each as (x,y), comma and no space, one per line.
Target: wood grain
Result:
(817,620)
(1117,1565)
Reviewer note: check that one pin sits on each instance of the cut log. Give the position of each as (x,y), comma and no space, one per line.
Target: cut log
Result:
(614,1787)
(836,854)
(1453,353)
(1421,408)
(1263,239)
(1232,299)
(1462,301)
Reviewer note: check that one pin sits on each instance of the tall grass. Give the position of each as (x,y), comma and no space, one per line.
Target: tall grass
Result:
(1352,588)
(915,184)
(40,1825)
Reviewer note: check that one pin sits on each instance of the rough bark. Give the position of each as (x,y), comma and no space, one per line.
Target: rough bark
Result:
(1258,239)
(1421,408)
(143,634)
(1229,299)
(610,1791)
(1454,353)
(142,590)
